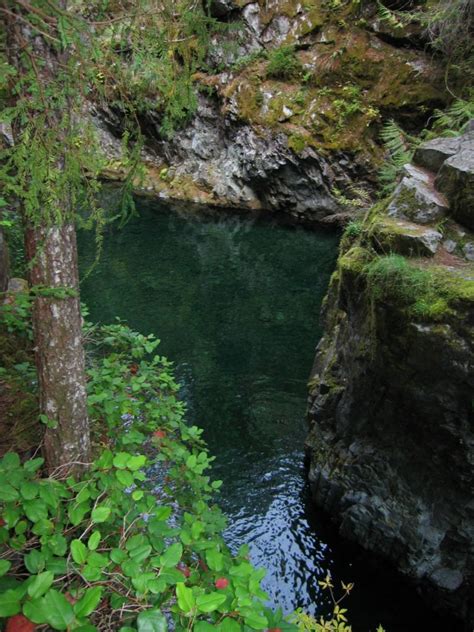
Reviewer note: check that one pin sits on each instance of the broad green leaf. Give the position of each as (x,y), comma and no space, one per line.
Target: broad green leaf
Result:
(35,510)
(58,609)
(34,561)
(87,627)
(191,461)
(77,512)
(33,464)
(9,603)
(10,461)
(215,560)
(4,567)
(151,621)
(88,602)
(141,553)
(185,597)
(136,462)
(124,477)
(121,459)
(118,556)
(172,555)
(94,541)
(29,490)
(137,494)
(57,544)
(35,611)
(79,552)
(210,601)
(8,493)
(40,584)
(254,619)
(229,625)
(100,514)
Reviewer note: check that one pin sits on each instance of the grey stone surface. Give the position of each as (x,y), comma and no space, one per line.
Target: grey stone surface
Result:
(220,8)
(416,198)
(449,245)
(468,250)
(433,153)
(456,181)
(405,238)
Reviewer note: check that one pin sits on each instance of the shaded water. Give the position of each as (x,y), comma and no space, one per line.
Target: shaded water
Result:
(236,304)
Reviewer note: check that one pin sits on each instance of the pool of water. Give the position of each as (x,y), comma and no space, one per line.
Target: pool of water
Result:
(236,302)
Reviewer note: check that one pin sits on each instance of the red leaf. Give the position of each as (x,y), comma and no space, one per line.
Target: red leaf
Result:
(19,623)
(159,434)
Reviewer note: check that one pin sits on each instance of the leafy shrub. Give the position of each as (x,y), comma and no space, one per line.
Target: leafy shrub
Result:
(283,63)
(109,551)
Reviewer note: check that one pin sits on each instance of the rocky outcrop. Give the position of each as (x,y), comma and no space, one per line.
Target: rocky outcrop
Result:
(284,141)
(391,439)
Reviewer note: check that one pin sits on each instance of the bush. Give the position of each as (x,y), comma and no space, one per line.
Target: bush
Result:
(283,63)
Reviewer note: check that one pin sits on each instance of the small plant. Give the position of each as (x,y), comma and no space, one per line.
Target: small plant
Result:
(400,148)
(283,63)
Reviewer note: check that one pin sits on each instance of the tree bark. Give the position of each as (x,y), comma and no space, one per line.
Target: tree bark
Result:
(59,352)
(52,253)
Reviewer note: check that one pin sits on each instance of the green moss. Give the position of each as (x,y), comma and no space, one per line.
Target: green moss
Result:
(297,142)
(283,63)
(355,260)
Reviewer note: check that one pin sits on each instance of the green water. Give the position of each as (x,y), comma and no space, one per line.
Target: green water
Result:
(236,305)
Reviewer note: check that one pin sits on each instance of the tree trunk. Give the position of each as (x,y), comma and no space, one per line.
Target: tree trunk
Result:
(51,243)
(59,353)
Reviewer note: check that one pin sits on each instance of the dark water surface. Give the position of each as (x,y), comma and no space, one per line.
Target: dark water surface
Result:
(236,305)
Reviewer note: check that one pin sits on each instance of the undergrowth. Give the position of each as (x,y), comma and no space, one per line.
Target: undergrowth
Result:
(421,292)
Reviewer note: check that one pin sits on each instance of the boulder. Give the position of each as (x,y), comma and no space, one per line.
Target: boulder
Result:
(456,181)
(416,198)
(405,238)
(432,154)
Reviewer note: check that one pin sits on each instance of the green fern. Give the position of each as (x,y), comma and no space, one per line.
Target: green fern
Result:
(400,147)
(454,120)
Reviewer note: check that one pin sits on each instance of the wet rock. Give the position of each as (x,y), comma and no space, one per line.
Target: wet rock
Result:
(432,154)
(449,245)
(416,198)
(456,181)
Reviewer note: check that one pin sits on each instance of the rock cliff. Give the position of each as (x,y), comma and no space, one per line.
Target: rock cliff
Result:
(391,412)
(289,110)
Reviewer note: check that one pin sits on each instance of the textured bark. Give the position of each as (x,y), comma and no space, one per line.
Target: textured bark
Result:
(52,252)
(58,346)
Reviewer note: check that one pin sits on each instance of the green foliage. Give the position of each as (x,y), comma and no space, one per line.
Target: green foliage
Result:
(455,118)
(400,148)
(112,549)
(283,63)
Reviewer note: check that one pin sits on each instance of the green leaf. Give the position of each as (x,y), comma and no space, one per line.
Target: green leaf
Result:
(141,553)
(9,603)
(8,493)
(191,461)
(4,567)
(94,541)
(88,602)
(33,464)
(185,597)
(77,512)
(29,490)
(121,459)
(151,621)
(203,626)
(137,494)
(229,625)
(35,611)
(34,561)
(210,601)
(100,513)
(10,461)
(172,555)
(59,611)
(253,619)
(118,556)
(79,552)
(40,584)
(124,477)
(136,462)
(215,560)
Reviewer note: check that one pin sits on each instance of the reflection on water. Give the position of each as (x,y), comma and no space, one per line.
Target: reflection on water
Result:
(236,304)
